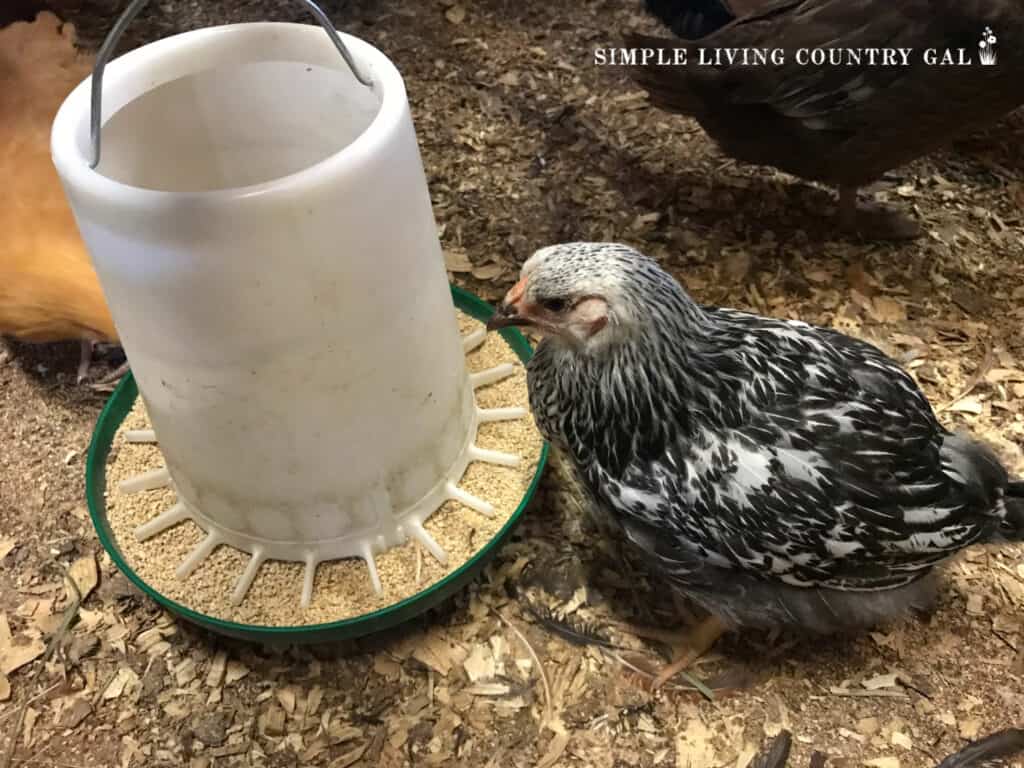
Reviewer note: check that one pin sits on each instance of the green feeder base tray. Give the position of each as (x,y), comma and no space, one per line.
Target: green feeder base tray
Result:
(120,404)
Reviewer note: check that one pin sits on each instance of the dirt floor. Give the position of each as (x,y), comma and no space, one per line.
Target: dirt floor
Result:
(527,143)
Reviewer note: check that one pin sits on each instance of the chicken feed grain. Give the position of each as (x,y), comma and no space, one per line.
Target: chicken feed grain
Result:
(342,589)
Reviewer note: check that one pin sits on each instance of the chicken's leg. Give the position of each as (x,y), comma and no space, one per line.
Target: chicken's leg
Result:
(873,221)
(687,645)
(85,361)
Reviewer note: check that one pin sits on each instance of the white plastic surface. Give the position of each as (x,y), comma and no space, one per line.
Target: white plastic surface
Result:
(262,230)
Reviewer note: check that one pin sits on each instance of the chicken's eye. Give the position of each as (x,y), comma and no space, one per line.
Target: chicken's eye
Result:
(553,305)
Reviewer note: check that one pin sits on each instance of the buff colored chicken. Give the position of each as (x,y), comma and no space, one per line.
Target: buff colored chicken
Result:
(48,288)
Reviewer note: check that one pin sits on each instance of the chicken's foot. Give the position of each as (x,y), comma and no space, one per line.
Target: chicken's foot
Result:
(687,644)
(111,380)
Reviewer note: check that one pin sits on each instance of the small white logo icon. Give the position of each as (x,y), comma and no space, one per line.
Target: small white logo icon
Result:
(987,47)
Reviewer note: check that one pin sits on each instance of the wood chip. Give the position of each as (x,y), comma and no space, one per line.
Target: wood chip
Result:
(479,664)
(999,375)
(846,733)
(148,638)
(969,300)
(218,667)
(884,693)
(901,739)
(123,681)
(73,715)
(229,750)
(236,670)
(488,271)
(457,261)
(83,571)
(868,726)
(881,681)
(5,687)
(287,697)
(316,748)
(90,620)
(314,700)
(969,404)
(435,650)
(388,668)
(887,310)
(969,728)
(456,14)
(339,733)
(1006,623)
(976,604)
(555,749)
(117,633)
(818,276)
(350,757)
(185,672)
(489,689)
(15,656)
(272,721)
(28,726)
(694,745)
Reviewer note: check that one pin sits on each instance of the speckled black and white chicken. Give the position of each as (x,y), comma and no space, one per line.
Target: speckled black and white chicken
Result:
(780,474)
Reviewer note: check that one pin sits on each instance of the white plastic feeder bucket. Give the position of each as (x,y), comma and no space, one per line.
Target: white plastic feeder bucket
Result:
(260,223)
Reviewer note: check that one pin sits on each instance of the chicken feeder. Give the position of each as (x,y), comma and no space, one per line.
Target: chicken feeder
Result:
(253,199)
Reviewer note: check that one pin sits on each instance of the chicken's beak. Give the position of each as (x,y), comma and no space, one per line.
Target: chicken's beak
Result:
(508,312)
(506,316)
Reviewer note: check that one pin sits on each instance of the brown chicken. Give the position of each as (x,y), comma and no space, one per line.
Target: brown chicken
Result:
(848,124)
(48,288)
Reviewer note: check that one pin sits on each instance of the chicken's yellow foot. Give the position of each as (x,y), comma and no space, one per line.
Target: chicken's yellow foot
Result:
(687,645)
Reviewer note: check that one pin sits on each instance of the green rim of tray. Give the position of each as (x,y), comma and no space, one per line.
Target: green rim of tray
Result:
(119,405)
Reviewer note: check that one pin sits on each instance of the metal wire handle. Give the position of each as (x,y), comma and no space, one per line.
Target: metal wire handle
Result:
(129,15)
